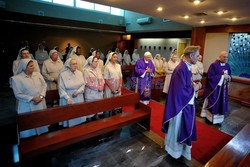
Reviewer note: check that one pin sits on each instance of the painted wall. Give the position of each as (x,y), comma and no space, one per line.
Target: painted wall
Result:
(214,44)
(157,24)
(60,11)
(162,46)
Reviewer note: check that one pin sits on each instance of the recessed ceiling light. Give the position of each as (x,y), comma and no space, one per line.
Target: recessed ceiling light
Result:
(196,2)
(202,21)
(159,9)
(186,17)
(234,19)
(220,12)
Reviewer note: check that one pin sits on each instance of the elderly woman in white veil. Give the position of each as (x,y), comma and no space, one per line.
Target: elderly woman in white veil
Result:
(174,53)
(158,65)
(112,76)
(76,54)
(41,55)
(59,53)
(94,82)
(71,88)
(100,65)
(51,69)
(164,65)
(126,58)
(29,89)
(172,63)
(119,56)
(24,54)
(135,57)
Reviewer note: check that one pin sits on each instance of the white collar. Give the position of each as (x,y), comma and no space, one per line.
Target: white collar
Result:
(146,61)
(189,65)
(222,64)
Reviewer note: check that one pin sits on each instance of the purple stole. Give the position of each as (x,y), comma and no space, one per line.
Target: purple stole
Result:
(181,91)
(217,96)
(145,83)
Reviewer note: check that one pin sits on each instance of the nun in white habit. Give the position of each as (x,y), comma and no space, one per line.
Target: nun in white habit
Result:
(135,57)
(172,63)
(76,54)
(119,56)
(29,89)
(158,65)
(197,70)
(41,55)
(126,58)
(164,65)
(24,54)
(59,53)
(100,62)
(51,69)
(112,76)
(94,82)
(71,88)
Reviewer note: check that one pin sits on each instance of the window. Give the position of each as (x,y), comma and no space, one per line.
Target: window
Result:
(117,11)
(87,5)
(64,2)
(102,8)
(47,0)
(84,4)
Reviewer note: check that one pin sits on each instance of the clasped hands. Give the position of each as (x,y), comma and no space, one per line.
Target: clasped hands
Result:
(149,70)
(69,100)
(197,86)
(226,76)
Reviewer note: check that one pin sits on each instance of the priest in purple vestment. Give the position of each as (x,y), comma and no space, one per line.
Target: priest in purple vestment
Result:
(216,90)
(144,71)
(179,115)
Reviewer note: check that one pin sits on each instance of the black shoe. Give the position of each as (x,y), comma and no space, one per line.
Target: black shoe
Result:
(119,110)
(111,113)
(97,117)
(101,116)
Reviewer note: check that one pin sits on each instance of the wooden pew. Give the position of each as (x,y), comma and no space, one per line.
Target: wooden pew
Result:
(158,84)
(234,153)
(127,70)
(54,140)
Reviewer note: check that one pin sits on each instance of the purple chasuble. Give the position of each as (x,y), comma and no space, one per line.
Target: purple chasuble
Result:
(217,96)
(144,83)
(180,92)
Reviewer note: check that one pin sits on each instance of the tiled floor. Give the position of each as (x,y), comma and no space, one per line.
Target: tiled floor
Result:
(128,147)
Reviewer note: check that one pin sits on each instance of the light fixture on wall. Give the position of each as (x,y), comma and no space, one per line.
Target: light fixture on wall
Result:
(186,17)
(126,37)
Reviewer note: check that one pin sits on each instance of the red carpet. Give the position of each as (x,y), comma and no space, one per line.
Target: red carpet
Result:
(209,140)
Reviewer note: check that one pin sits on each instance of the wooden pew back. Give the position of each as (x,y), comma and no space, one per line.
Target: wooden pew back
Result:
(235,152)
(57,114)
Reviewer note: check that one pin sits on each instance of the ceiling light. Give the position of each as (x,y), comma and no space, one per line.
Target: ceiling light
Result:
(196,2)
(186,17)
(159,9)
(220,12)
(234,19)
(202,21)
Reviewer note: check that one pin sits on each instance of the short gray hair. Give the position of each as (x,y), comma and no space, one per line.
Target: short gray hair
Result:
(147,54)
(191,49)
